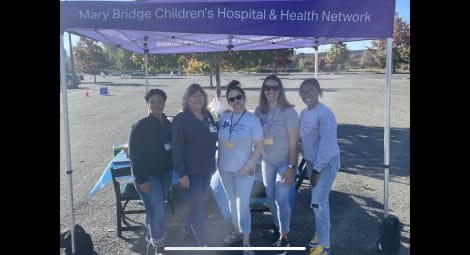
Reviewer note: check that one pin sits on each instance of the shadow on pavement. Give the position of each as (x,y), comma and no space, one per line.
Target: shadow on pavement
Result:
(354,226)
(362,150)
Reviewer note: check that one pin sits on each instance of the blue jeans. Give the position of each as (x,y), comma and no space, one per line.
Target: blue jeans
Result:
(320,202)
(154,203)
(278,195)
(218,191)
(238,191)
(197,194)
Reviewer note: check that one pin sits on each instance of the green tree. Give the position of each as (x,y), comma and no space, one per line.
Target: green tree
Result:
(400,46)
(338,55)
(124,61)
(111,56)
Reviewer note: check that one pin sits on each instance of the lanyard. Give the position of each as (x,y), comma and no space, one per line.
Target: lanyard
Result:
(231,128)
(270,123)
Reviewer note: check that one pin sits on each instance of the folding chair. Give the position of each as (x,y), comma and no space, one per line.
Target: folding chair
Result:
(125,192)
(301,175)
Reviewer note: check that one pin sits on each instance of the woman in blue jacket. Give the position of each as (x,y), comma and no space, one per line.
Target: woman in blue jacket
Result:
(194,138)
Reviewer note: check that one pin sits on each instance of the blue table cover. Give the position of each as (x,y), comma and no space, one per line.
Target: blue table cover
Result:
(119,161)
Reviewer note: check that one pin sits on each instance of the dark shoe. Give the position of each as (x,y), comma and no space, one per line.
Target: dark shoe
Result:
(275,233)
(233,238)
(281,243)
(160,250)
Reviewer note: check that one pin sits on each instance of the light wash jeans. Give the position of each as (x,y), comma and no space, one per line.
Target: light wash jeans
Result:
(218,191)
(197,194)
(320,197)
(278,195)
(238,191)
(154,203)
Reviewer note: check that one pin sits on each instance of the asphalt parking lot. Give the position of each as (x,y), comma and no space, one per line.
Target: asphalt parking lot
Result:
(357,201)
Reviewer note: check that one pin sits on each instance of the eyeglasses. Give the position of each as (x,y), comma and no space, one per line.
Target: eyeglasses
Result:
(232,99)
(307,92)
(268,88)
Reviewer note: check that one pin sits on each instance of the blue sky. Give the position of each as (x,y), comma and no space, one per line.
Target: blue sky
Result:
(402,7)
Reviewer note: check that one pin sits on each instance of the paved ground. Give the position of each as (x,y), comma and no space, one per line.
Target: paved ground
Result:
(97,122)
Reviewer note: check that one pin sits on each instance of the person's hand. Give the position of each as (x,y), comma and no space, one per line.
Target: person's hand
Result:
(314,177)
(184,182)
(244,171)
(288,177)
(145,187)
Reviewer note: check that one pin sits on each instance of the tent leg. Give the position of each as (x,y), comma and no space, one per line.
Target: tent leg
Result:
(217,78)
(387,124)
(67,138)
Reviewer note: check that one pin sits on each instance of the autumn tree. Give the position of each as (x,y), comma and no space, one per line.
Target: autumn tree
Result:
(400,46)
(89,56)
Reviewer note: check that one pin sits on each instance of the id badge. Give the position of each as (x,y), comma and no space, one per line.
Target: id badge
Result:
(229,144)
(167,146)
(213,128)
(268,141)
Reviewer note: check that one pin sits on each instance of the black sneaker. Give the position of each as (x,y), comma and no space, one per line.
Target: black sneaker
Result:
(233,238)
(275,233)
(281,243)
(160,250)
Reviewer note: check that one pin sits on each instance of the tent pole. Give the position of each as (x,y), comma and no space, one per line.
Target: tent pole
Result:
(387,123)
(316,61)
(146,50)
(67,137)
(212,70)
(217,77)
(315,47)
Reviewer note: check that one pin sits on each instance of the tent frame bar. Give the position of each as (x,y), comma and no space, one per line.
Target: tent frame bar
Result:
(67,137)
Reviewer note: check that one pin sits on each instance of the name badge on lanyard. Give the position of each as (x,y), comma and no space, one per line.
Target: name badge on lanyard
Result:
(268,141)
(229,144)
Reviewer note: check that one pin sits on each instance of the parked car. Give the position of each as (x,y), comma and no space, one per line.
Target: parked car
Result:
(117,73)
(138,73)
(72,80)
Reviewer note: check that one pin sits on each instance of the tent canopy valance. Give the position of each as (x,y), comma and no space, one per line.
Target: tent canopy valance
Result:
(209,26)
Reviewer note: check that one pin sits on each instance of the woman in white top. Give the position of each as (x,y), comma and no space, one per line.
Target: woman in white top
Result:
(239,132)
